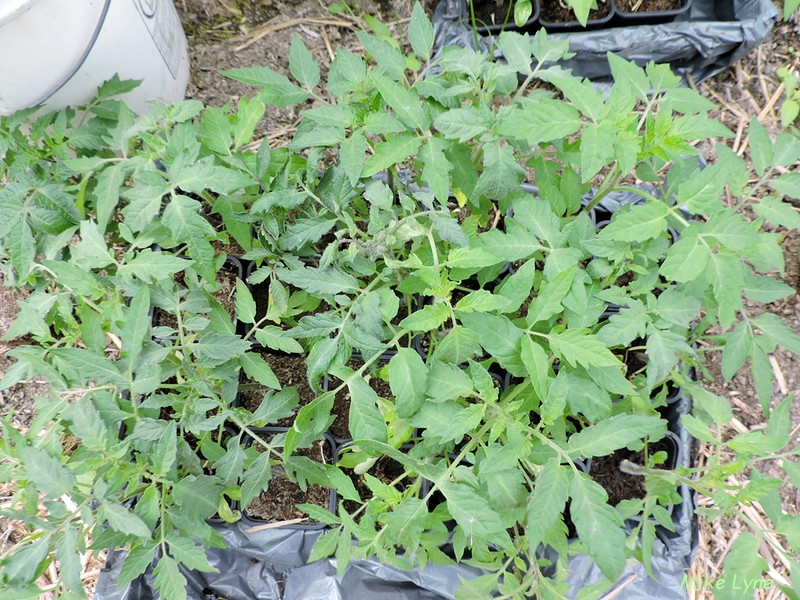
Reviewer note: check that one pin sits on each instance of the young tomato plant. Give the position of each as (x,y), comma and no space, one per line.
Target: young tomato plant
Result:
(488,337)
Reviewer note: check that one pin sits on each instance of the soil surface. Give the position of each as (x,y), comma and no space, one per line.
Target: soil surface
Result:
(290,370)
(622,486)
(493,12)
(552,11)
(643,6)
(279,501)
(230,35)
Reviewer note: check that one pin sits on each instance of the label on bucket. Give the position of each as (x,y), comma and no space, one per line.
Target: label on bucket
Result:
(165,29)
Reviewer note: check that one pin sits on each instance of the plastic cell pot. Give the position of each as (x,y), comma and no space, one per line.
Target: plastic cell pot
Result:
(498,26)
(232,265)
(339,430)
(253,522)
(670,443)
(598,18)
(626,16)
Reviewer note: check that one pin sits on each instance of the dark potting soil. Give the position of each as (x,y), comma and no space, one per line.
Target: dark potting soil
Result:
(462,213)
(386,470)
(290,370)
(553,12)
(641,6)
(229,248)
(341,403)
(279,502)
(226,294)
(622,486)
(492,12)
(635,360)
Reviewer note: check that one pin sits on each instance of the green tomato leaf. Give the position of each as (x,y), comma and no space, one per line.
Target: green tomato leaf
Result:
(197,495)
(538,120)
(787,184)
(366,421)
(302,64)
(447,382)
(390,153)
(276,338)
(258,369)
(516,48)
(136,563)
(275,89)
(420,32)
(686,259)
(190,555)
(46,472)
(639,224)
(760,147)
(474,515)
(88,366)
(499,337)
(603,438)
(536,364)
(448,421)
(406,104)
(577,346)
(152,266)
(546,505)
(548,302)
(408,378)
(256,479)
(462,124)
(123,520)
(136,328)
(217,347)
(320,281)
(778,213)
(458,346)
(743,563)
(598,525)
(428,318)
(245,305)
(169,581)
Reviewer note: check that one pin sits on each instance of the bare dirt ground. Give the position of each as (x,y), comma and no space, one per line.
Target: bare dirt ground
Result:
(226,34)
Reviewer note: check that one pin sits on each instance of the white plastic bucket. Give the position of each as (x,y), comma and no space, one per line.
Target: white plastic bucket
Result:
(58,52)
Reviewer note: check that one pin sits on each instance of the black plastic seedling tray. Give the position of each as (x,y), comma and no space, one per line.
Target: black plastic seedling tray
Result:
(699,40)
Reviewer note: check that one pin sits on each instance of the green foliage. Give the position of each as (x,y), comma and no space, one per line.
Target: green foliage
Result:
(108,216)
(790,109)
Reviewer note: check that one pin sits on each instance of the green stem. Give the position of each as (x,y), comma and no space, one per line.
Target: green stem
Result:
(605,188)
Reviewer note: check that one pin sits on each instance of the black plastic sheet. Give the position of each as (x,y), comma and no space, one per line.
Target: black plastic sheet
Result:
(713,35)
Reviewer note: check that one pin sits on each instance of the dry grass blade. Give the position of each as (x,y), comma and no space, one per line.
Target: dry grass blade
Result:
(620,588)
(275,525)
(264,31)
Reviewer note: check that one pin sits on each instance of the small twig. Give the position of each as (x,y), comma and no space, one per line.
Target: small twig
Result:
(739,131)
(763,114)
(327,42)
(720,100)
(760,73)
(776,368)
(626,582)
(262,32)
(275,525)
